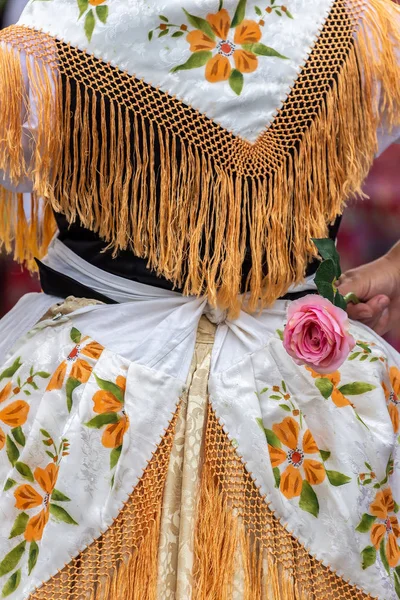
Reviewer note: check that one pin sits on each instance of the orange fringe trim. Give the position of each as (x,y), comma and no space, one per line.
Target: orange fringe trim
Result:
(236,533)
(218,194)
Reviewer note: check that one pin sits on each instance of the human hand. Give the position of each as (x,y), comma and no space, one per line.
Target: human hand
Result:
(377,285)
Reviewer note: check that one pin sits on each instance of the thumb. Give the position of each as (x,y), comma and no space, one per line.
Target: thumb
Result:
(349,283)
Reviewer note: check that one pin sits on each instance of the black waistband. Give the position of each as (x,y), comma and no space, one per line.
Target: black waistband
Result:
(58,284)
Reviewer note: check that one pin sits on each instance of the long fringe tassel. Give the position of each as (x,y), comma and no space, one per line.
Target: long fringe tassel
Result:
(194,219)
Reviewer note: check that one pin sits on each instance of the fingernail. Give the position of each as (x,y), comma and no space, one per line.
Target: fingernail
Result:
(384,302)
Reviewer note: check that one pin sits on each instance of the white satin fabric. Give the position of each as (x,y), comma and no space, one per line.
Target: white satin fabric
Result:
(150,336)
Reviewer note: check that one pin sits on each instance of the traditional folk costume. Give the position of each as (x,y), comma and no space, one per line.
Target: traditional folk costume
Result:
(156,441)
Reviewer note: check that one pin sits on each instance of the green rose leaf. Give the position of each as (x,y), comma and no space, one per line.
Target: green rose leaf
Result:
(368,556)
(356,388)
(382,554)
(236,81)
(326,272)
(12,451)
(196,60)
(262,50)
(101,420)
(340,302)
(108,386)
(19,526)
(240,13)
(102,13)
(18,435)
(72,384)
(199,23)
(325,387)
(327,250)
(59,496)
(11,560)
(308,500)
(61,514)
(11,584)
(324,454)
(277,475)
(114,456)
(326,290)
(83,6)
(10,372)
(25,471)
(337,479)
(90,23)
(75,335)
(33,556)
(9,484)
(366,523)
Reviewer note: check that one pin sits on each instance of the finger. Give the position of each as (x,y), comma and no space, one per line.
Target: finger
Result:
(369,312)
(382,327)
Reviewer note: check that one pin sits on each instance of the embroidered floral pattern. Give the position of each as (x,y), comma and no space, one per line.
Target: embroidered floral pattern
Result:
(392,395)
(364,353)
(78,369)
(40,494)
(94,11)
(109,405)
(329,387)
(227,46)
(14,412)
(303,463)
(283,397)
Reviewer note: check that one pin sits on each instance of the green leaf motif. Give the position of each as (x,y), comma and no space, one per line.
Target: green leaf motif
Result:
(163,33)
(275,397)
(354,355)
(45,433)
(382,554)
(75,335)
(374,359)
(102,13)
(90,23)
(43,374)
(19,526)
(12,451)
(178,34)
(114,456)
(108,386)
(101,420)
(150,35)
(280,333)
(364,358)
(261,50)
(285,407)
(236,81)
(277,476)
(364,347)
(264,391)
(366,523)
(325,387)
(10,372)
(289,14)
(397,583)
(368,556)
(337,479)
(83,6)
(18,436)
(221,4)
(165,19)
(72,384)
(356,388)
(196,60)
(59,496)
(33,556)
(272,438)
(240,13)
(11,560)
(324,454)
(61,514)
(199,23)
(9,484)
(11,584)
(258,11)
(25,471)
(308,499)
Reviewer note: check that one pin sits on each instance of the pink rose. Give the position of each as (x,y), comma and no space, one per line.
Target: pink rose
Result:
(317,334)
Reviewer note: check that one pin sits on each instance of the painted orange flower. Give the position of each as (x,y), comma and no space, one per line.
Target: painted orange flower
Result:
(219,67)
(105,402)
(393,397)
(298,466)
(13,415)
(81,369)
(337,397)
(27,498)
(388,527)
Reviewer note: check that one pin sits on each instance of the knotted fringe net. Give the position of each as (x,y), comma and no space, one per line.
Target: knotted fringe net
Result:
(122,563)
(237,532)
(98,132)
